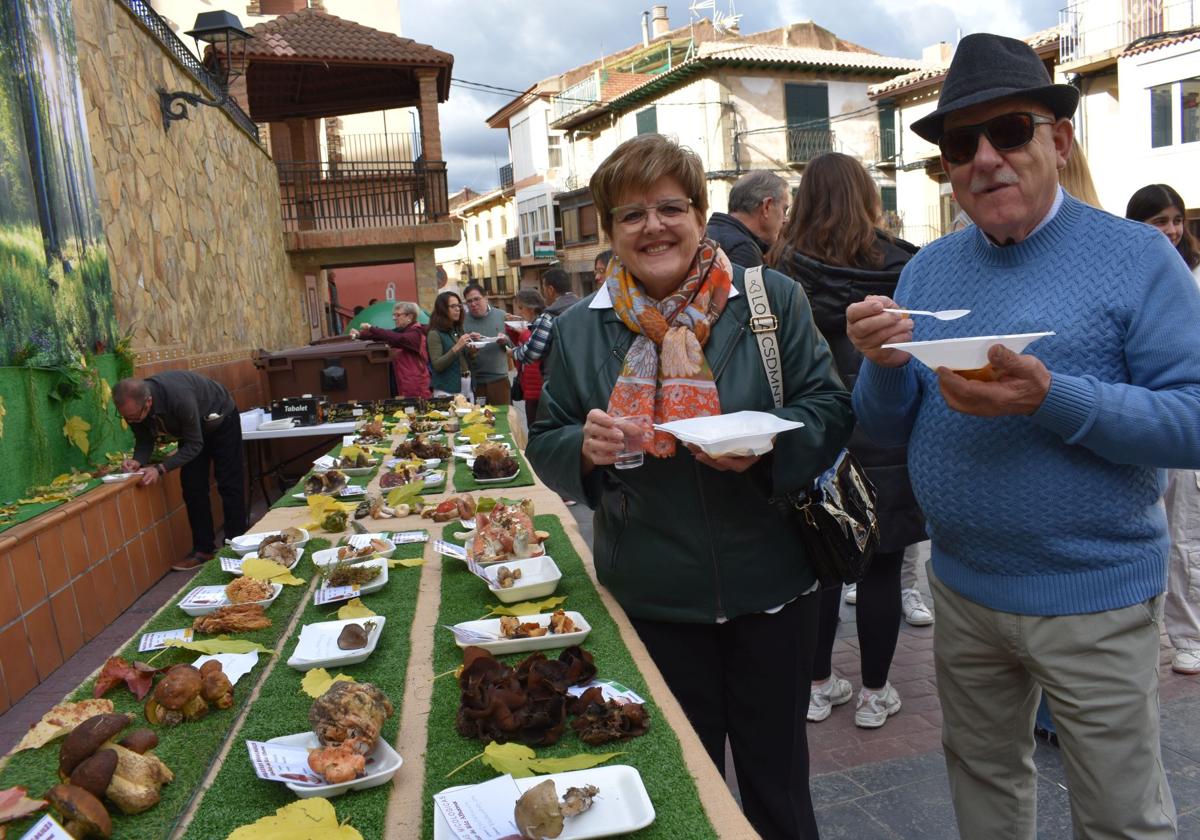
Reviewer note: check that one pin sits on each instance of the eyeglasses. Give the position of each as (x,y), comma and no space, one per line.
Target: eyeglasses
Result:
(454,306)
(668,211)
(1005,132)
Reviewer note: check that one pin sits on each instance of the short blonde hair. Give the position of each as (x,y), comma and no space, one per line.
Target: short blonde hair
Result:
(405,307)
(638,163)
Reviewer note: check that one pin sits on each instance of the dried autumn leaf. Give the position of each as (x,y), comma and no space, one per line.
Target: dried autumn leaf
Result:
(14,804)
(407,562)
(269,571)
(138,678)
(3,411)
(521,761)
(60,720)
(529,607)
(310,819)
(317,681)
(221,644)
(355,608)
(76,430)
(476,434)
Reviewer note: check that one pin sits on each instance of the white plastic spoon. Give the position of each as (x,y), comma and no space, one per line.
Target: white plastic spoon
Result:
(943,315)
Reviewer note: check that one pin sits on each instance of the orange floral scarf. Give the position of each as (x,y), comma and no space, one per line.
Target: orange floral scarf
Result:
(665,374)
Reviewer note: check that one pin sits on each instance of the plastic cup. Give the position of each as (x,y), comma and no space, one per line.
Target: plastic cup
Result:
(636,429)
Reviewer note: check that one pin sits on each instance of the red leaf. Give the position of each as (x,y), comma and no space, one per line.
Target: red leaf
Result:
(14,804)
(139,677)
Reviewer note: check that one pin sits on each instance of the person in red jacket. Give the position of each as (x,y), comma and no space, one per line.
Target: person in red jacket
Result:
(410,363)
(529,304)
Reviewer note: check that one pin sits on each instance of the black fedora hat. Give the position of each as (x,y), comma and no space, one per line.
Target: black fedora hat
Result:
(988,67)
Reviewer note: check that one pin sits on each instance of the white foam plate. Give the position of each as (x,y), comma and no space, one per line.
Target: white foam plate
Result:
(496,437)
(964,353)
(351,470)
(550,640)
(739,433)
(250,542)
(378,583)
(382,764)
(539,579)
(484,342)
(621,807)
(115,478)
(501,480)
(233,565)
(517,325)
(276,425)
(205,599)
(350,490)
(318,648)
(328,557)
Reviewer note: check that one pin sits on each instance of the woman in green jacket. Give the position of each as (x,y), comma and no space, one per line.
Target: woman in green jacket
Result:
(712,575)
(446,341)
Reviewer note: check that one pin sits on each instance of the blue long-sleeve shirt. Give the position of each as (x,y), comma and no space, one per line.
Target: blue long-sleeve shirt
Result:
(1057,512)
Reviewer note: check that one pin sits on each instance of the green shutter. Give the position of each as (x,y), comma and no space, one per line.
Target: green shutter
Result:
(647,121)
(807,112)
(887,197)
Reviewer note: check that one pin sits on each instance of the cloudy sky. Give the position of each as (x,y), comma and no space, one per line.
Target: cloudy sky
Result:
(514,43)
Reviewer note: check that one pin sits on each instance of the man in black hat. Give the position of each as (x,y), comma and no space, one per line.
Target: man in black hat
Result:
(1039,474)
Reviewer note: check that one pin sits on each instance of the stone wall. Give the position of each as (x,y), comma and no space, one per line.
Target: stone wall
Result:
(191,214)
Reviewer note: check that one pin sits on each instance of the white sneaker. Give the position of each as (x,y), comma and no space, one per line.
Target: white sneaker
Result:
(874,708)
(822,698)
(1185,661)
(852,594)
(915,611)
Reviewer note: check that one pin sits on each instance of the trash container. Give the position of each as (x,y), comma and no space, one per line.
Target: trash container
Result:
(337,369)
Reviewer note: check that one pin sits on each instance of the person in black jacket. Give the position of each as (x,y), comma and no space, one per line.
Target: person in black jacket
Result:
(758,205)
(832,247)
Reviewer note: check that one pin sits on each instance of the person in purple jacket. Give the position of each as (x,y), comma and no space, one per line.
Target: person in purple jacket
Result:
(410,362)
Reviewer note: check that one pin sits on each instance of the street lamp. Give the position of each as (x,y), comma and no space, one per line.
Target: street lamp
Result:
(223,32)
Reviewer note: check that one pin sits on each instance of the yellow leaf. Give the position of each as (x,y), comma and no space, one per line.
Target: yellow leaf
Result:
(529,607)
(269,571)
(3,411)
(105,392)
(476,434)
(353,451)
(310,819)
(60,720)
(76,430)
(317,681)
(221,644)
(522,762)
(124,425)
(408,562)
(355,608)
(405,493)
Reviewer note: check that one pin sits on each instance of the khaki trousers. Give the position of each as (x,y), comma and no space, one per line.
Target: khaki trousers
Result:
(1181,611)
(1099,673)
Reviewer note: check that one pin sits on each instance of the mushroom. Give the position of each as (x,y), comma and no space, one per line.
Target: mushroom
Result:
(537,813)
(140,741)
(86,738)
(83,815)
(95,772)
(135,784)
(177,697)
(216,687)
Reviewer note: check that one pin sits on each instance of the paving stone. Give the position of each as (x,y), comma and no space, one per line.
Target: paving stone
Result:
(918,809)
(1053,810)
(898,772)
(832,788)
(848,821)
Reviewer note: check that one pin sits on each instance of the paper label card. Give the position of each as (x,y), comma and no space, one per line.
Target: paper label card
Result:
(481,812)
(281,763)
(468,636)
(46,829)
(233,565)
(158,641)
(332,594)
(449,549)
(205,596)
(609,690)
(404,537)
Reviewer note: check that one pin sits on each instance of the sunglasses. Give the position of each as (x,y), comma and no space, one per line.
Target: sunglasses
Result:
(633,215)
(1005,132)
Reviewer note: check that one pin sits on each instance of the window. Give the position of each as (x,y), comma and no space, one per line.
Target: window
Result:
(489,228)
(887,133)
(504,224)
(588,222)
(1175,104)
(647,121)
(554,149)
(887,197)
(1160,116)
(1189,109)
(806,109)
(533,218)
(570,224)
(477,239)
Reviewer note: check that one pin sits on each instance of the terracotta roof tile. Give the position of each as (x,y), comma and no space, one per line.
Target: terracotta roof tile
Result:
(803,55)
(316,35)
(1169,40)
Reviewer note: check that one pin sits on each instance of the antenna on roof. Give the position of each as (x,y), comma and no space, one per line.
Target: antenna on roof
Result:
(722,22)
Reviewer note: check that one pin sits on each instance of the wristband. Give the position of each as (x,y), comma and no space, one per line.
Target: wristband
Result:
(162,470)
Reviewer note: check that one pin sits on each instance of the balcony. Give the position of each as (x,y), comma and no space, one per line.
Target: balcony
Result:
(804,144)
(336,196)
(1088,29)
(403,145)
(576,97)
(506,176)
(887,145)
(512,250)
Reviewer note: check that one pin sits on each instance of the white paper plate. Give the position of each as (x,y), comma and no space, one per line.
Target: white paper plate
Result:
(740,433)
(205,599)
(484,342)
(250,542)
(501,480)
(347,492)
(328,557)
(233,565)
(351,470)
(495,437)
(378,583)
(382,764)
(276,425)
(517,325)
(539,579)
(621,807)
(550,640)
(115,478)
(964,353)
(318,648)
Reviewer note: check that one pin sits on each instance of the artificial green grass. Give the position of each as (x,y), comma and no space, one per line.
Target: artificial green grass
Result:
(656,754)
(237,796)
(289,499)
(464,479)
(189,748)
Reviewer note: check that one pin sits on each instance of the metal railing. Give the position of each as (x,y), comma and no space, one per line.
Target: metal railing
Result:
(887,144)
(575,97)
(804,144)
(512,249)
(506,176)
(399,146)
(361,194)
(1088,28)
(158,27)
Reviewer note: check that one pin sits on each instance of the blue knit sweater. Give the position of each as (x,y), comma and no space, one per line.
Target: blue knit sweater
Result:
(1055,513)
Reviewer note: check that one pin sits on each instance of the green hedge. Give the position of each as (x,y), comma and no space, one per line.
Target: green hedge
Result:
(656,755)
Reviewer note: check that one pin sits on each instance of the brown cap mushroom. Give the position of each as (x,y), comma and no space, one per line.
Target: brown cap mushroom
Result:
(140,741)
(86,738)
(178,687)
(217,689)
(95,772)
(83,814)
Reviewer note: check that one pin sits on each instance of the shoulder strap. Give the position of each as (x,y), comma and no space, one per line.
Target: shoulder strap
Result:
(763,324)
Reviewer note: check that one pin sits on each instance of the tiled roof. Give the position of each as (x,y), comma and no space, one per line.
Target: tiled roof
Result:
(769,54)
(1168,40)
(316,35)
(1037,40)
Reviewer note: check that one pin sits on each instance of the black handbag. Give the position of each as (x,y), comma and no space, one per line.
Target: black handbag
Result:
(835,517)
(516,392)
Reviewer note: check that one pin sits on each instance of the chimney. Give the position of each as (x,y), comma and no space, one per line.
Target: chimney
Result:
(645,29)
(937,55)
(661,23)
